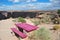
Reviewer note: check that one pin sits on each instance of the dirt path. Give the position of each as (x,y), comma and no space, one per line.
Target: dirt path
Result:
(5,31)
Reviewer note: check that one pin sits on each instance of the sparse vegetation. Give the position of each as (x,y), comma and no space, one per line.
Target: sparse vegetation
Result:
(59,11)
(41,34)
(20,19)
(36,22)
(46,19)
(56,27)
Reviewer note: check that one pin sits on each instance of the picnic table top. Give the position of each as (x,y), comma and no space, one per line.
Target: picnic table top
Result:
(26,26)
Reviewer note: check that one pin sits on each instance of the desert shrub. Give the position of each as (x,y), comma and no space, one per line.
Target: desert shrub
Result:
(56,20)
(47,19)
(15,20)
(41,34)
(56,27)
(36,22)
(58,11)
(20,19)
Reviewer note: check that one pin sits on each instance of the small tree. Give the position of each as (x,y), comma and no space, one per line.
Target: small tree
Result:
(59,11)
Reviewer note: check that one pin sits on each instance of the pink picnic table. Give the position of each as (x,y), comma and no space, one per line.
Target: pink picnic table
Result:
(26,26)
(22,35)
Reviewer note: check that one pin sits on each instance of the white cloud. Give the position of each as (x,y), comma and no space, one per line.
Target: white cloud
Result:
(28,1)
(35,6)
(55,3)
(14,0)
(34,0)
(31,0)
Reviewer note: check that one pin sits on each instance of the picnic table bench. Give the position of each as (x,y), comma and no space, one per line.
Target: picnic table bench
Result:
(22,35)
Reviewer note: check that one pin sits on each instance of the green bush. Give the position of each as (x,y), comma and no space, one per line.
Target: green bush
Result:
(20,19)
(41,34)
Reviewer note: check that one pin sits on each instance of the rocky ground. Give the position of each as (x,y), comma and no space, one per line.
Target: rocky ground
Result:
(5,31)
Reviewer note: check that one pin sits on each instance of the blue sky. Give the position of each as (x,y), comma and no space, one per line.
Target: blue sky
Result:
(29,4)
